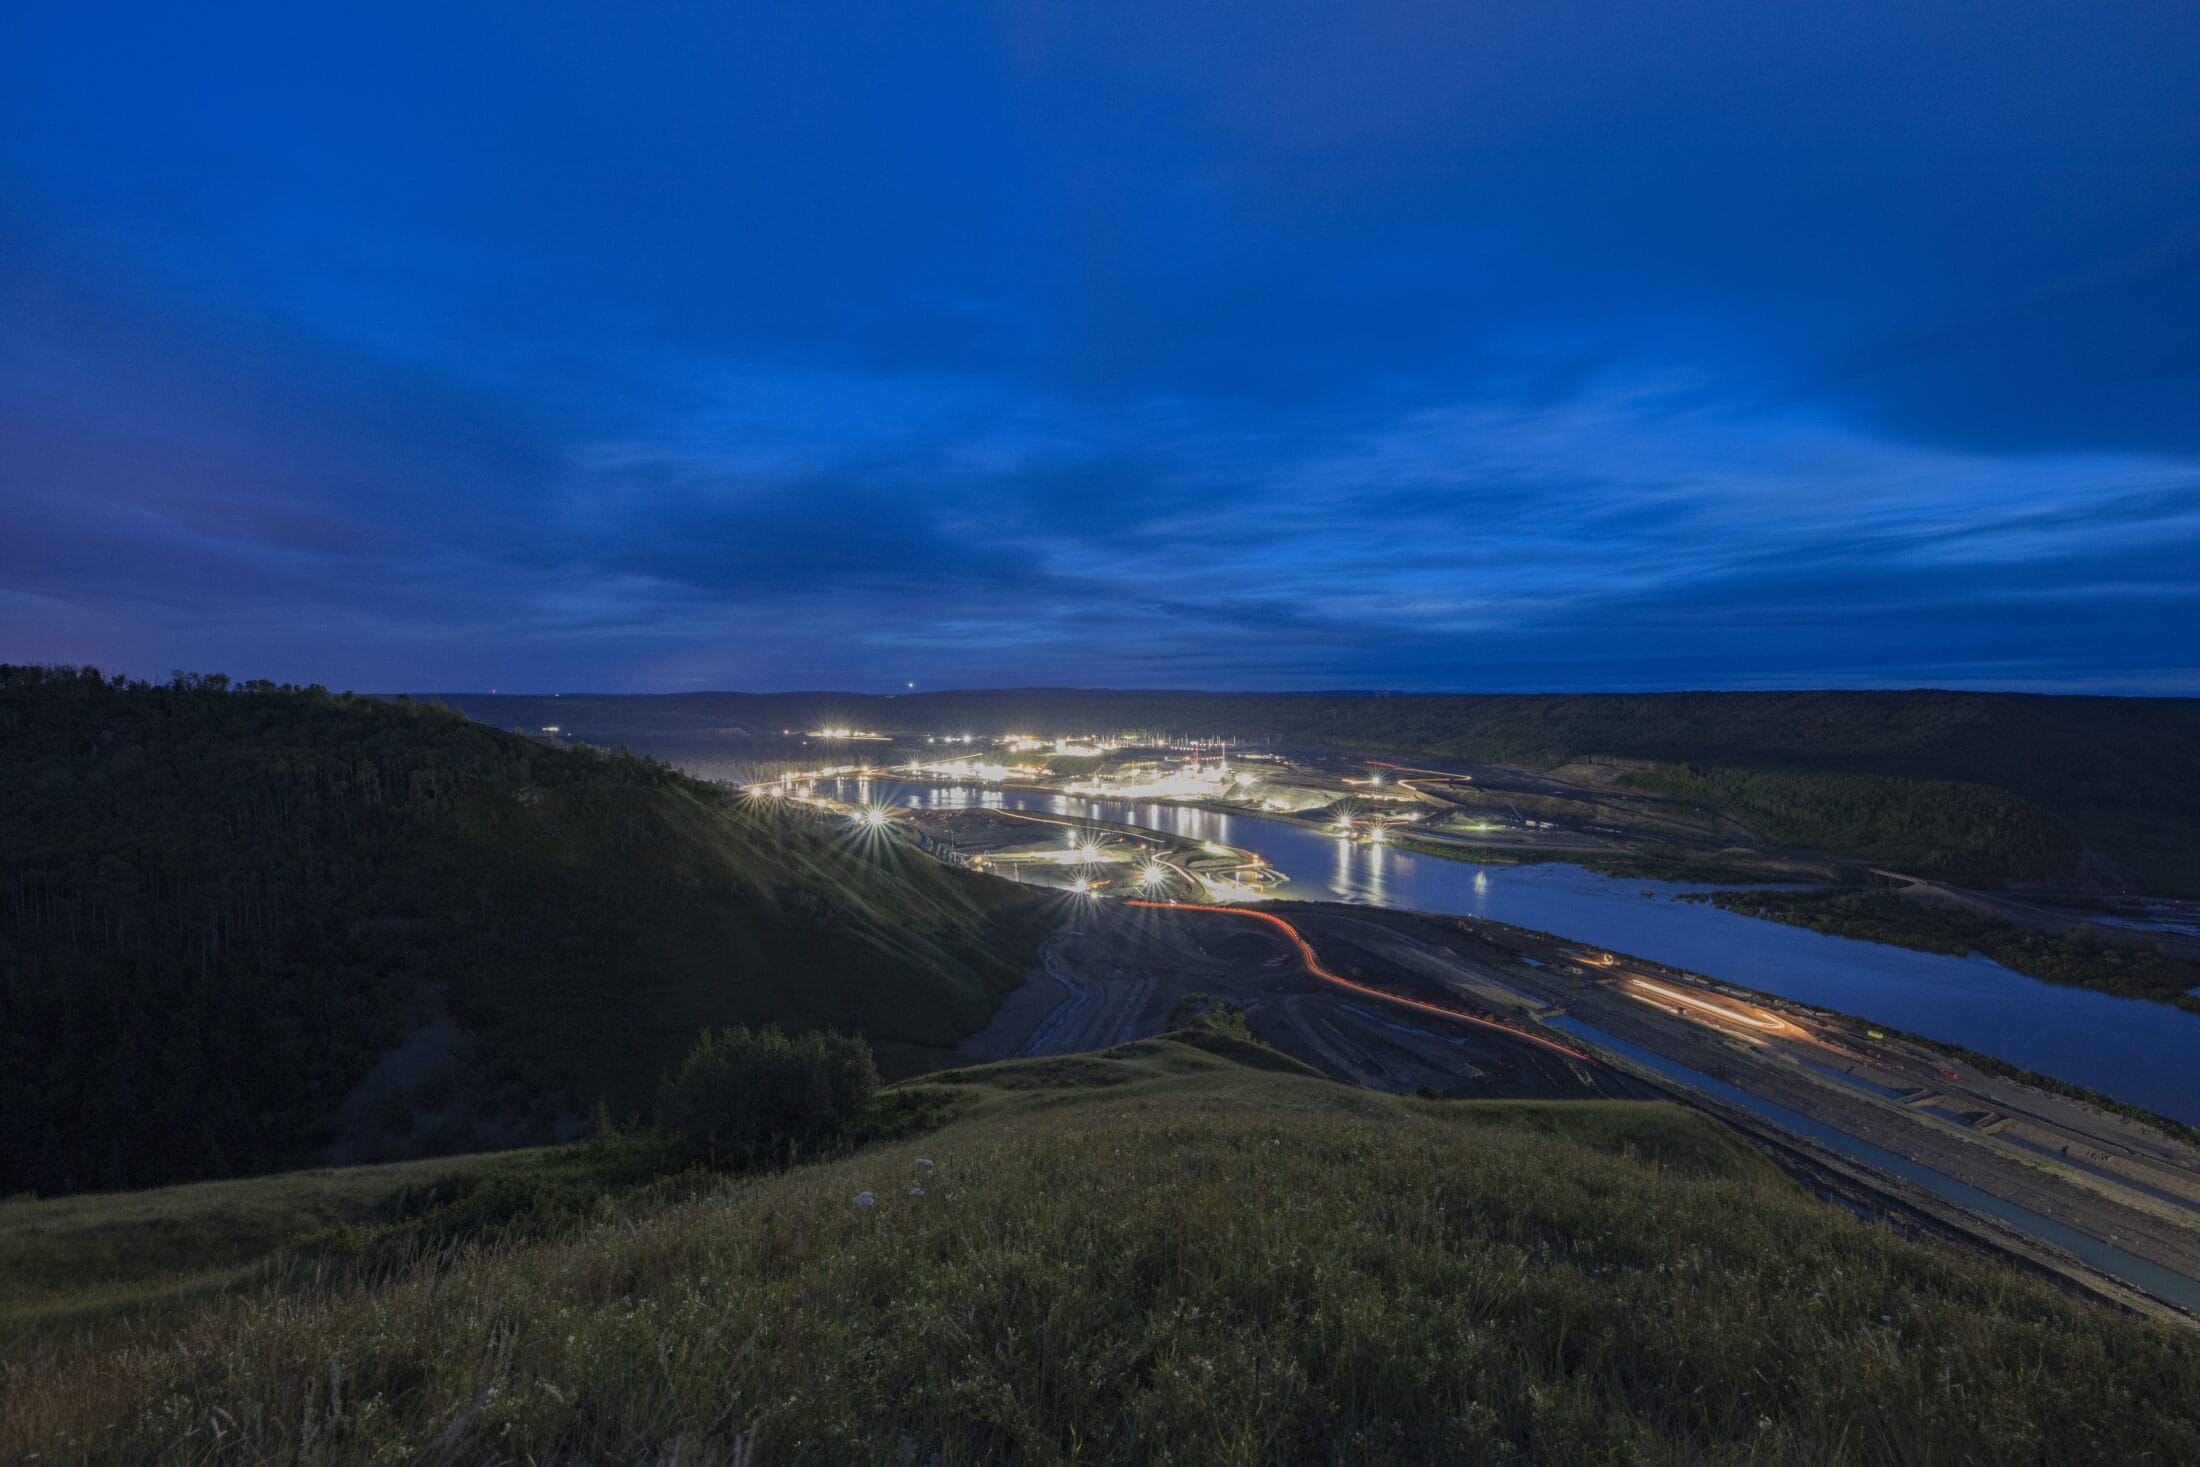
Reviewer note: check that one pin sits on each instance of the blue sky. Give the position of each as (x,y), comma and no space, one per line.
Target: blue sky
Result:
(1434,346)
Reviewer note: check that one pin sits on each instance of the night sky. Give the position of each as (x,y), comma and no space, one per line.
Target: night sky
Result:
(1443,346)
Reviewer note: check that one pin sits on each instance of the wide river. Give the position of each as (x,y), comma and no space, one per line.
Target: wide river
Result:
(2145,1053)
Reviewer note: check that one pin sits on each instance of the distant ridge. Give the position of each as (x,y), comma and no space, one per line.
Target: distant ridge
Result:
(2066,790)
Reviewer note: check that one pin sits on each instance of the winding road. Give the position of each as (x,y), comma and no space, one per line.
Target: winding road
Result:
(1314,965)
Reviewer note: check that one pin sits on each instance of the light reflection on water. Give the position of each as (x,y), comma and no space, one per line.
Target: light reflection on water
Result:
(2144,1053)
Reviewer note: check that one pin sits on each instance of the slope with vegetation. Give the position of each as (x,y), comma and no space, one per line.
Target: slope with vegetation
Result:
(1980,788)
(1185,1249)
(240,924)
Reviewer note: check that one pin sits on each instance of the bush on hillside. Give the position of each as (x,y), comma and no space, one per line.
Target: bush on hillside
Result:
(758,1096)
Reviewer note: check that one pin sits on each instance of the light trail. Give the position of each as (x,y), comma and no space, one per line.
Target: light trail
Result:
(1314,966)
(1764,1021)
(1416,769)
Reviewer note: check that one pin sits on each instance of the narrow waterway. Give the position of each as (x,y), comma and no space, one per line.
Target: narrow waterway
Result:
(2145,1053)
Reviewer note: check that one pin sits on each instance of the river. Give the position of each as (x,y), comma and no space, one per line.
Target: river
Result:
(2147,1054)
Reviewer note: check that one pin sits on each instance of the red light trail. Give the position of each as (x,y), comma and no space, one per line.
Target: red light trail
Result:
(1314,966)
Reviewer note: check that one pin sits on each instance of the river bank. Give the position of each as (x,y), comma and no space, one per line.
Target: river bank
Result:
(2144,1054)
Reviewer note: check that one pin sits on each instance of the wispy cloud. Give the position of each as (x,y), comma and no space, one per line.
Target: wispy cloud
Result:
(1398,344)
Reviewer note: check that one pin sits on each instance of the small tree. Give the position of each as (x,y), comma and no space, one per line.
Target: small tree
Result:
(750,1097)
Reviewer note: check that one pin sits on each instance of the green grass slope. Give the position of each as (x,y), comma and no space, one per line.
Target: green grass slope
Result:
(69,1261)
(1163,1254)
(221,908)
(1973,787)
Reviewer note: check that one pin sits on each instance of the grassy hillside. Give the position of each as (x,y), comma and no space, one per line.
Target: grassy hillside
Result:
(69,1261)
(223,911)
(1161,1254)
(1973,787)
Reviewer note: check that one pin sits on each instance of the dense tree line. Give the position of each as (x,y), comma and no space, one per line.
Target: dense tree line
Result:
(221,904)
(747,1097)
(1950,829)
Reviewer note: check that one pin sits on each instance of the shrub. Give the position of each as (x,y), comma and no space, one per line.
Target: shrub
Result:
(760,1097)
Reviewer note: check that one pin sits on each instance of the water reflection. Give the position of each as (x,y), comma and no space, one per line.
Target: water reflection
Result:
(2145,1053)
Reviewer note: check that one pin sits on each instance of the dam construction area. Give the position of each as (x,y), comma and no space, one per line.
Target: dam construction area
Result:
(1192,890)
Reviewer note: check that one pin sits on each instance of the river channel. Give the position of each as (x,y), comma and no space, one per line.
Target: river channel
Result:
(2147,1054)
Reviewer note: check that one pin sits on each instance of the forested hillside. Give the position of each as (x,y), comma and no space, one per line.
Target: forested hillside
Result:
(1981,788)
(224,908)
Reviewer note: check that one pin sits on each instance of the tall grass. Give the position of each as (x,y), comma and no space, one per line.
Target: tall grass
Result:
(1202,1264)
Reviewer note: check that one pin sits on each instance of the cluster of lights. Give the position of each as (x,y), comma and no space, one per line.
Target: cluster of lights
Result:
(1083,849)
(972,769)
(1145,782)
(1378,826)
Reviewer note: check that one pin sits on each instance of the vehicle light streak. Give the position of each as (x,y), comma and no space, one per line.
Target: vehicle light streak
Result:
(1314,966)
(1764,1020)
(1411,769)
